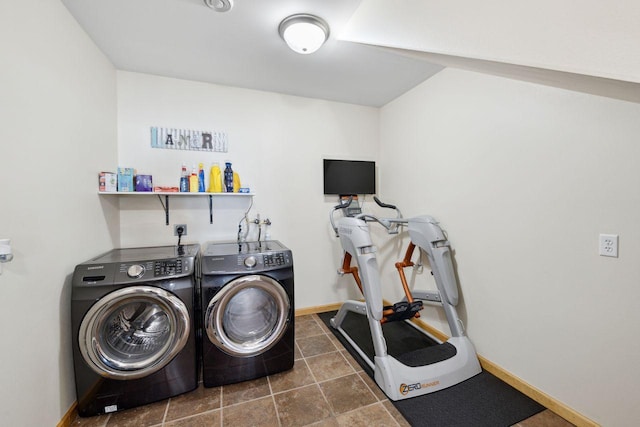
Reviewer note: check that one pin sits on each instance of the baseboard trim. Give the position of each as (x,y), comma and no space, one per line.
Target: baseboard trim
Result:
(522,386)
(317,309)
(539,396)
(71,415)
(525,388)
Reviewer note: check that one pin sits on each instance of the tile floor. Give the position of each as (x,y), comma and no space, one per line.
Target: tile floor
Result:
(326,388)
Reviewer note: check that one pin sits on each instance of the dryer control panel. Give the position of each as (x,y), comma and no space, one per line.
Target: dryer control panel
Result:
(245,257)
(264,261)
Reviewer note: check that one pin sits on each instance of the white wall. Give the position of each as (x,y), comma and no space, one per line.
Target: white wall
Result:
(276,144)
(57,109)
(580,37)
(524,178)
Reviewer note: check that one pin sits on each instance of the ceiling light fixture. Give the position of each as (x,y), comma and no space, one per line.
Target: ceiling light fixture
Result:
(219,5)
(304,33)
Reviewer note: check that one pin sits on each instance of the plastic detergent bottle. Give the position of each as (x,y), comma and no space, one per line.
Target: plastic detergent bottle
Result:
(228,178)
(193,180)
(215,179)
(236,182)
(184,179)
(200,178)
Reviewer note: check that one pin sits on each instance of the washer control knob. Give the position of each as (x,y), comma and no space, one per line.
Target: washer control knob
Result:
(250,261)
(135,271)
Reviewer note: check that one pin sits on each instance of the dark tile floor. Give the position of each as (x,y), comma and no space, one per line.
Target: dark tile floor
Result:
(326,388)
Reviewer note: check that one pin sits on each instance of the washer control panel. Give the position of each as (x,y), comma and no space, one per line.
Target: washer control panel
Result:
(167,267)
(135,271)
(135,265)
(274,259)
(156,269)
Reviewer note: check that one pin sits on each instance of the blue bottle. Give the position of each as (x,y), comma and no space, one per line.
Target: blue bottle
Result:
(200,178)
(228,178)
(184,180)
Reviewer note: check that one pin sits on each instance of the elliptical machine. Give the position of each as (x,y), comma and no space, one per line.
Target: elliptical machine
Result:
(420,371)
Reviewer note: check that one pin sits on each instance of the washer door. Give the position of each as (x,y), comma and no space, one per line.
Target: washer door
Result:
(248,316)
(133,332)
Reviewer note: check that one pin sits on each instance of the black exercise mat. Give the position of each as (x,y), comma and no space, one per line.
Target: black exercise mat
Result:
(481,401)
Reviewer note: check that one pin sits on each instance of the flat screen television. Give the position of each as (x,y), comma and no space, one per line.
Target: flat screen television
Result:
(349,177)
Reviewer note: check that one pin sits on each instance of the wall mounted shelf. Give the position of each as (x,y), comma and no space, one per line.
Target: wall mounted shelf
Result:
(166,195)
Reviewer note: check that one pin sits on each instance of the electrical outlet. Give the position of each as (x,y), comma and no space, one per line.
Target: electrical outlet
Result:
(608,245)
(182,228)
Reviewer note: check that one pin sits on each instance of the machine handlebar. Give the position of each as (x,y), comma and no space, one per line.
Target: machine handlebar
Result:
(335,208)
(391,224)
(344,205)
(384,205)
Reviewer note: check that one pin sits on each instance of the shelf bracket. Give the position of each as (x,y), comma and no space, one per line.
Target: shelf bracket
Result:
(210,209)
(165,206)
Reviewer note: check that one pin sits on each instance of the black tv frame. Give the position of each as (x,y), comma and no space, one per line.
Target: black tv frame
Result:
(349,177)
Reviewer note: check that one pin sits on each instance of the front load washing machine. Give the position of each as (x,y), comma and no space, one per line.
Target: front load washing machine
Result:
(134,335)
(248,311)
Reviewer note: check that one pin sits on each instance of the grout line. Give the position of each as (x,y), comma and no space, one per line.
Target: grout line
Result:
(295,342)
(367,385)
(340,350)
(166,412)
(186,417)
(390,414)
(317,384)
(221,406)
(380,402)
(273,398)
(310,371)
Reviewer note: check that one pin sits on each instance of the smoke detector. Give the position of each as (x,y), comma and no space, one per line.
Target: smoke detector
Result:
(219,5)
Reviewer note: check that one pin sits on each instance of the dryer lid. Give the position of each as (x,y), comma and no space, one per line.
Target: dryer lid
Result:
(144,254)
(221,249)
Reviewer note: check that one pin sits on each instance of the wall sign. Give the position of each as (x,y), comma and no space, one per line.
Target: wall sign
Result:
(187,139)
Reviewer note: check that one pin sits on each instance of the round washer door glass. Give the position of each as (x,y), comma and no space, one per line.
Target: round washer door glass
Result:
(133,332)
(248,316)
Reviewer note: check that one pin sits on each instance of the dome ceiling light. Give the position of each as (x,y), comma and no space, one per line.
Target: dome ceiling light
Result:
(219,5)
(304,33)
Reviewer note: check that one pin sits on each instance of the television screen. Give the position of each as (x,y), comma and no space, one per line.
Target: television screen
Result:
(345,177)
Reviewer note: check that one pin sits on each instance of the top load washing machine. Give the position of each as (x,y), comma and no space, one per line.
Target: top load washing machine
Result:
(134,336)
(248,311)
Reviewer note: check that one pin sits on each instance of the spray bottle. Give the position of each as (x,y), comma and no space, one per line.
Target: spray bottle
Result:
(184,180)
(200,178)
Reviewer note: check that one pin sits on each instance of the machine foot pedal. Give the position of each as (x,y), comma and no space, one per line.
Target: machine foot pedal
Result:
(402,310)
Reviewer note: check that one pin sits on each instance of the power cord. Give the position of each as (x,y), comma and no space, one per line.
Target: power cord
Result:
(180,232)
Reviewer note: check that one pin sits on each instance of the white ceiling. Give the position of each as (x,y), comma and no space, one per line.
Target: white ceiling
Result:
(186,39)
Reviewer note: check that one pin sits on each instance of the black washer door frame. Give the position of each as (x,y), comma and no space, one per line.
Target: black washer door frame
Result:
(155,348)
(229,335)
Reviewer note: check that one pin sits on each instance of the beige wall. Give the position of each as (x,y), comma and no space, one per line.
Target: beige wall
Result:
(524,178)
(58,115)
(276,144)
